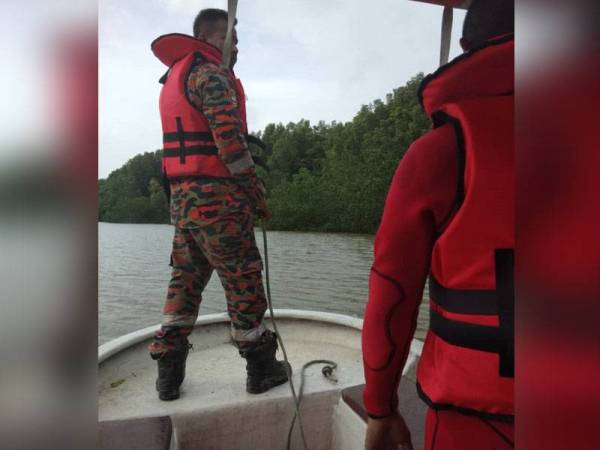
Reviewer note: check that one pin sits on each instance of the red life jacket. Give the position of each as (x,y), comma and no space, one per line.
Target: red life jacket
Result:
(467,361)
(189,146)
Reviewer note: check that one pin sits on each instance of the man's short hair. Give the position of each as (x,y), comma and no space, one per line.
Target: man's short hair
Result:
(486,19)
(207,18)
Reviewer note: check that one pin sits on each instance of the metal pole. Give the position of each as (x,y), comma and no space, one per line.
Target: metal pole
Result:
(446,35)
(231,12)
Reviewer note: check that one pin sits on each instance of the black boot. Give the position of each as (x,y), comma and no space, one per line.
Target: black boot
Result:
(171,370)
(264,371)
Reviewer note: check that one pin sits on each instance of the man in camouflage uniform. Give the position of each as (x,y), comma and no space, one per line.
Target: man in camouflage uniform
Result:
(214,219)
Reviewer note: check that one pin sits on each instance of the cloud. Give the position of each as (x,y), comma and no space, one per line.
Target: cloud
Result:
(192,6)
(298,59)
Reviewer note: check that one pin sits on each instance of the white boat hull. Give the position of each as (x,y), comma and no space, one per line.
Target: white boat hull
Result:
(214,410)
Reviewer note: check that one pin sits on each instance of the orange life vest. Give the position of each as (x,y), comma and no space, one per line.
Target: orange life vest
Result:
(189,147)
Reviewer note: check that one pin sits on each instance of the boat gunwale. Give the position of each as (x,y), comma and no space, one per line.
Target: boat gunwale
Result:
(121,343)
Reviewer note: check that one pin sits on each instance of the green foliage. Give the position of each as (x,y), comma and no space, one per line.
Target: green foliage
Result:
(133,193)
(334,177)
(326,177)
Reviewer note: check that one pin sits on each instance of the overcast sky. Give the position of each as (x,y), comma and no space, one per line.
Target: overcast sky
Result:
(311,59)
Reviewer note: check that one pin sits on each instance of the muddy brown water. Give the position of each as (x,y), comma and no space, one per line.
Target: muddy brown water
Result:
(315,271)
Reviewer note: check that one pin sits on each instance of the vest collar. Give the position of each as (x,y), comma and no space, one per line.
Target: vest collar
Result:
(485,71)
(170,48)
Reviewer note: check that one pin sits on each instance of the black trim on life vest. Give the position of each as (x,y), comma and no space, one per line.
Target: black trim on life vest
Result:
(181,140)
(163,79)
(505,288)
(207,150)
(498,41)
(464,301)
(188,136)
(440,118)
(507,418)
(467,335)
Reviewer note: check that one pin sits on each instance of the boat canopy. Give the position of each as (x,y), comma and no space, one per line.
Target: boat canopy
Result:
(463,4)
(447,23)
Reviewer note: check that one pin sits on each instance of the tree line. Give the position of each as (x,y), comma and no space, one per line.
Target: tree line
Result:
(324,177)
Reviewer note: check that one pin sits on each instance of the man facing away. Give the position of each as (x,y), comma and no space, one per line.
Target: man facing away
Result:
(449,215)
(215,196)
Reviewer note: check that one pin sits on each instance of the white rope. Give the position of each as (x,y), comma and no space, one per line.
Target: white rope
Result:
(279,338)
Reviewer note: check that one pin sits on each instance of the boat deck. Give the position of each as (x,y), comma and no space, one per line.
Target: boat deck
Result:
(216,377)
(214,405)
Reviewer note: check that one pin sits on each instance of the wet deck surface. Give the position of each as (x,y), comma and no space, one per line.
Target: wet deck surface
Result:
(216,375)
(215,381)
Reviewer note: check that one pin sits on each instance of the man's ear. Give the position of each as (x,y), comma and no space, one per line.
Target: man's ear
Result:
(465,44)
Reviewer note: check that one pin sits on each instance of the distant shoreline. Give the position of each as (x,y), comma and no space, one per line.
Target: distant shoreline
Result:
(257,226)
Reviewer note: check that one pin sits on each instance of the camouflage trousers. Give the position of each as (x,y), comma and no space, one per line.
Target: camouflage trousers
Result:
(227,245)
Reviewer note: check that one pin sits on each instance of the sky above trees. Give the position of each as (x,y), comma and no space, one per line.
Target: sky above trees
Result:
(299,59)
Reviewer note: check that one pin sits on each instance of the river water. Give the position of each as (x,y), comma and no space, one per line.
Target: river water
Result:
(315,271)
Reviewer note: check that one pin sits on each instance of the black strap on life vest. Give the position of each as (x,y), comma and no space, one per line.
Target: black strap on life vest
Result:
(181,136)
(188,136)
(191,150)
(460,301)
(440,118)
(505,289)
(480,302)
(181,140)
(204,145)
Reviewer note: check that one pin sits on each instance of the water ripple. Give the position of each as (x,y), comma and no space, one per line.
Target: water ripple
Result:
(316,271)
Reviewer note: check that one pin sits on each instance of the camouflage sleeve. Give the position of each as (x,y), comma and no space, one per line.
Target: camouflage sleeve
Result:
(211,91)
